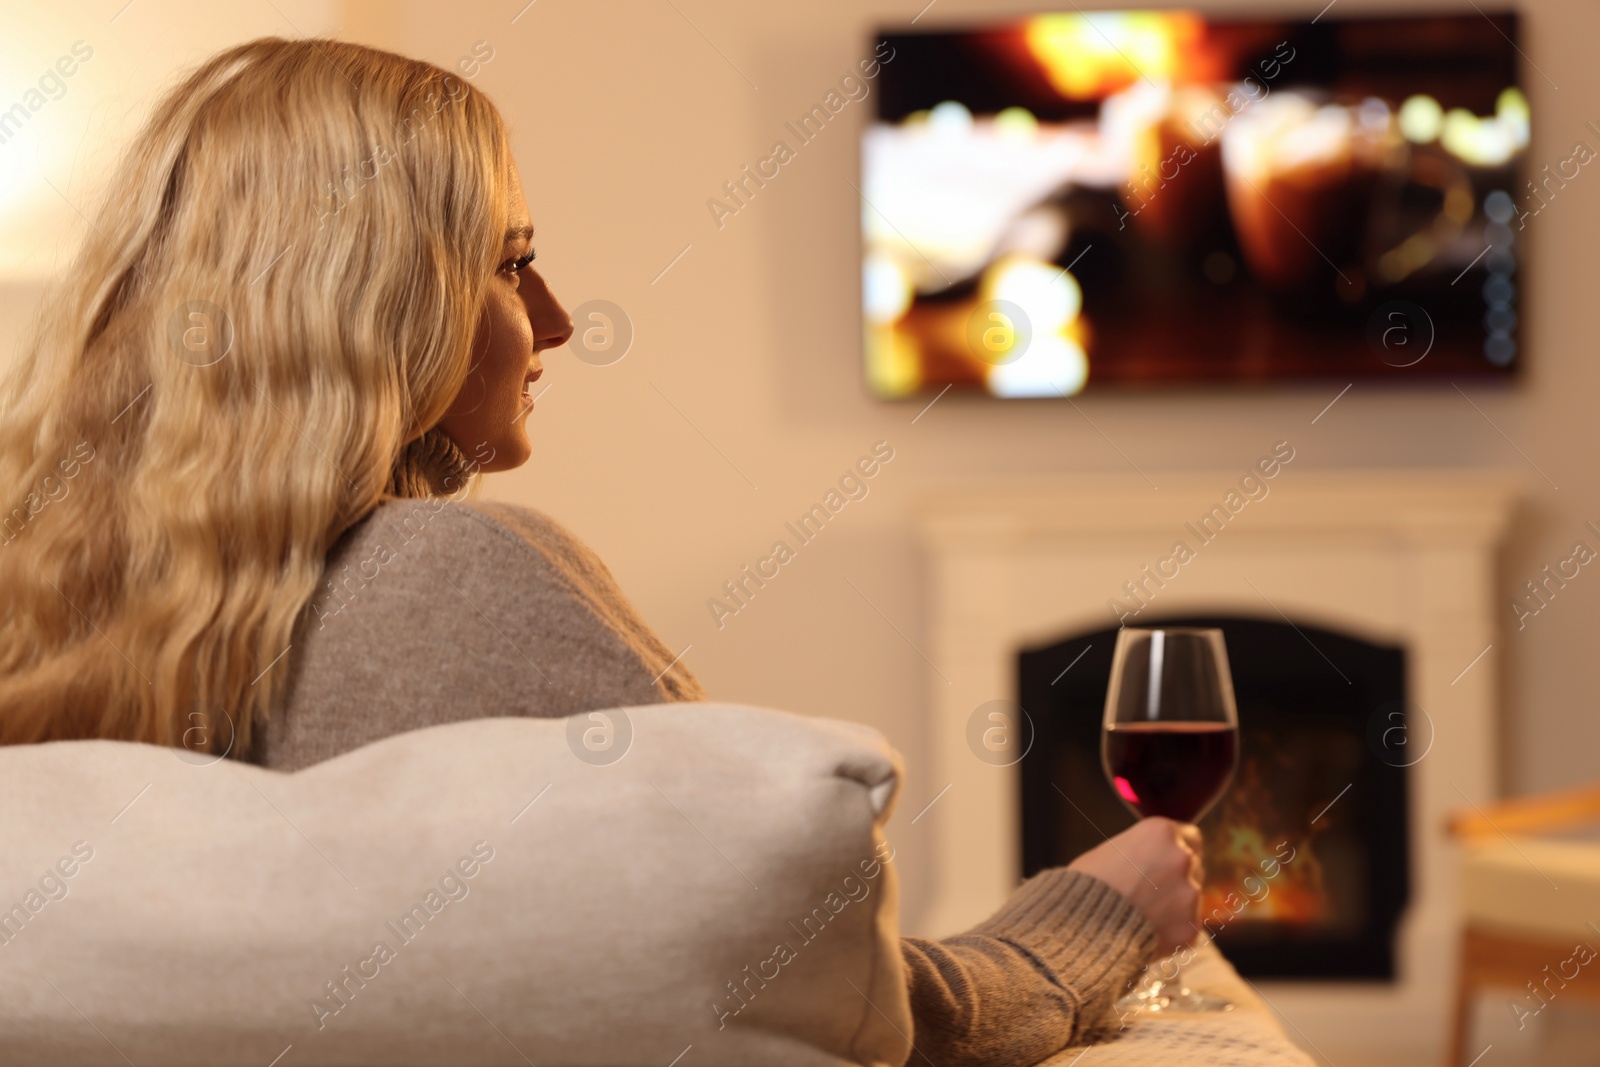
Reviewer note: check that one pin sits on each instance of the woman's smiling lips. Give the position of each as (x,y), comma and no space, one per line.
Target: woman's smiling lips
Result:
(527,384)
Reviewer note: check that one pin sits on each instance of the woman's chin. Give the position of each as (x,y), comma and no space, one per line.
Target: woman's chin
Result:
(512,449)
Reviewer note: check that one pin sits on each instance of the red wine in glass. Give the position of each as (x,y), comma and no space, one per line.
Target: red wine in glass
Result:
(1175,769)
(1169,747)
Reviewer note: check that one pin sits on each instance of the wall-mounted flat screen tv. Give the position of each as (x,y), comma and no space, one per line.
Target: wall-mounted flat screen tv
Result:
(1084,200)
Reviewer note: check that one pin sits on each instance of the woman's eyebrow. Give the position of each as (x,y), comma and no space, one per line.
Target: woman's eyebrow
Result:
(519,233)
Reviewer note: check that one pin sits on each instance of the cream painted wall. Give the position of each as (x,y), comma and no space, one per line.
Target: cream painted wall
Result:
(741,400)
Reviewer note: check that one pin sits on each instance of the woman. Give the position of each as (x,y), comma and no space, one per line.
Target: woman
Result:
(304,319)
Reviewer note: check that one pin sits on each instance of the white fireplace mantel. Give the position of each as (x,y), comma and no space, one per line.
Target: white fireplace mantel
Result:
(1403,557)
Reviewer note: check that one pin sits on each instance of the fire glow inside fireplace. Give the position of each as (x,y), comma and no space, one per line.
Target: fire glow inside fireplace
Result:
(1307,865)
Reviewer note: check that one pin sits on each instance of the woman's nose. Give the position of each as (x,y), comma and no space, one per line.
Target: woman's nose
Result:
(560,331)
(552,326)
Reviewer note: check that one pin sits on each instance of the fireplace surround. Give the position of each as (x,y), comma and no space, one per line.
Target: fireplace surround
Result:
(1399,559)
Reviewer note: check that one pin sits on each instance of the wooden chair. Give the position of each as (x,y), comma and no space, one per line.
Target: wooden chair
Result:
(1530,905)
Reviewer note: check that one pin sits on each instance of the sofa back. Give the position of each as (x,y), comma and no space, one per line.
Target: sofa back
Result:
(668,884)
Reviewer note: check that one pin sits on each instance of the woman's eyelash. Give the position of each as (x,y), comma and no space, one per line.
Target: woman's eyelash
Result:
(516,265)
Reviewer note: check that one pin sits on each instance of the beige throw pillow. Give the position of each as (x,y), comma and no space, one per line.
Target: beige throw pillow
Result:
(683,884)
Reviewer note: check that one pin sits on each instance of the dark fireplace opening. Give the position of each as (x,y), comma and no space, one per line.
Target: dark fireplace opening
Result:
(1307,863)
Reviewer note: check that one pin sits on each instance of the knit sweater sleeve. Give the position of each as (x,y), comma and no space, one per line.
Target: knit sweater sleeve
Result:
(1038,976)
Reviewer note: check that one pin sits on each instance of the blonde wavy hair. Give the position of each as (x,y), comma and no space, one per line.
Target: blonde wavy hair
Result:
(274,305)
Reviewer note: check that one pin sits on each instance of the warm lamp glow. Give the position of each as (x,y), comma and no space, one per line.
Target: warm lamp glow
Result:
(78,81)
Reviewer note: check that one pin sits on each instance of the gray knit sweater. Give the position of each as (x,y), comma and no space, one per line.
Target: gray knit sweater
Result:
(435,610)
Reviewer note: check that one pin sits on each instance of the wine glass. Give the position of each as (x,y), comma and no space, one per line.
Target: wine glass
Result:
(1169,747)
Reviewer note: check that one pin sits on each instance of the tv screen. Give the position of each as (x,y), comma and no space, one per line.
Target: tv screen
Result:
(1083,200)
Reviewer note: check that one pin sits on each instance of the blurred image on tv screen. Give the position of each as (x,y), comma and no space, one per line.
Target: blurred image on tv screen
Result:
(1073,201)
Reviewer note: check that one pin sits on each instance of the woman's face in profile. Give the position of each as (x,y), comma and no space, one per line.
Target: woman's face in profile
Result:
(521,318)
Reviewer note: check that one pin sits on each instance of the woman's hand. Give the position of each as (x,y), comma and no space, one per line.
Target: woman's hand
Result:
(1156,865)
